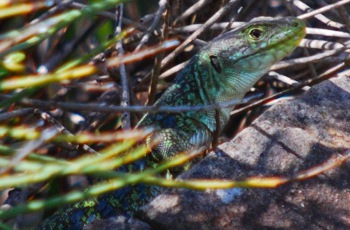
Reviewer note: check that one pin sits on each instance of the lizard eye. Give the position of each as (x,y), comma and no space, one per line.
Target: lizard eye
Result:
(255,33)
(214,61)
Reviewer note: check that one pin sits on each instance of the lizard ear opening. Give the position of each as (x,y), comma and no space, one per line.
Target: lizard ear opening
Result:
(214,61)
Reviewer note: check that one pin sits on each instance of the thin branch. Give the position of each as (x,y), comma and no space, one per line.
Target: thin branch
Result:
(125,99)
(323,9)
(28,148)
(16,113)
(286,79)
(220,13)
(320,44)
(301,5)
(311,59)
(327,74)
(158,61)
(191,10)
(95,107)
(158,16)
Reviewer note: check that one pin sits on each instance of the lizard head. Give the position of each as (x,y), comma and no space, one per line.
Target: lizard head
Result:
(255,45)
(241,56)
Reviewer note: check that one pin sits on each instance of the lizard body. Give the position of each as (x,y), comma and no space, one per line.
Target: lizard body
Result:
(225,69)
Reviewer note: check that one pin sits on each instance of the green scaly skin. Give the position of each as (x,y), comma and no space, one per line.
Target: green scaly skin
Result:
(225,69)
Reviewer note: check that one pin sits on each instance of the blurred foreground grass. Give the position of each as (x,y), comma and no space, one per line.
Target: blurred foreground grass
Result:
(65,67)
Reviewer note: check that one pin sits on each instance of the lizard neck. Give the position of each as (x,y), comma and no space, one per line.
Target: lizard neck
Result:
(232,82)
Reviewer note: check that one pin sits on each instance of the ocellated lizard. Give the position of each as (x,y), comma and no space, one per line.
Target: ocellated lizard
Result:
(225,69)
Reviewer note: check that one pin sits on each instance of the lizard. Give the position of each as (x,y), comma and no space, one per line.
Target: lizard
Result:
(224,69)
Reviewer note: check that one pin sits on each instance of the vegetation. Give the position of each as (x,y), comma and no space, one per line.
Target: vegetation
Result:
(74,79)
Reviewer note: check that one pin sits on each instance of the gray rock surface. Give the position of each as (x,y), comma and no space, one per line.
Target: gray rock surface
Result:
(291,136)
(118,223)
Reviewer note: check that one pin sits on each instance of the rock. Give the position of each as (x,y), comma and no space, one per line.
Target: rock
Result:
(291,136)
(118,223)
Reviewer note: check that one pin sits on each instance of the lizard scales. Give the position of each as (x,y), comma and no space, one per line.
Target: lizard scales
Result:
(225,69)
